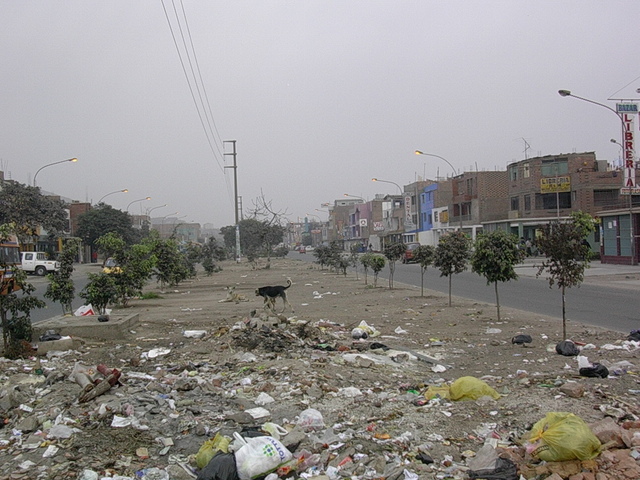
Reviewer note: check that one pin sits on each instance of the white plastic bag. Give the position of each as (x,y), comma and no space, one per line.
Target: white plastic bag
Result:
(310,419)
(259,456)
(84,310)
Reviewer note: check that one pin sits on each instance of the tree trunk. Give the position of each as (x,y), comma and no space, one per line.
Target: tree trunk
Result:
(422,270)
(497,299)
(564,317)
(449,290)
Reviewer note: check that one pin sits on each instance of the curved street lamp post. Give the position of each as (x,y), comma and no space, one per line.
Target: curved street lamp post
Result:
(111,193)
(73,160)
(625,153)
(420,152)
(139,200)
(387,181)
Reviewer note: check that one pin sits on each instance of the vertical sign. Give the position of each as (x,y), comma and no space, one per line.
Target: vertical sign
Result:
(408,220)
(628,112)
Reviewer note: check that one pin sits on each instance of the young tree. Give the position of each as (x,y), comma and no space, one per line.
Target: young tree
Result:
(354,257)
(495,256)
(366,261)
(61,288)
(323,255)
(100,291)
(424,255)
(16,304)
(393,252)
(377,264)
(212,251)
(566,254)
(170,267)
(452,254)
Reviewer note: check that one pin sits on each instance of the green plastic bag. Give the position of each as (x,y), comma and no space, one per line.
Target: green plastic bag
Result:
(219,443)
(561,436)
(471,388)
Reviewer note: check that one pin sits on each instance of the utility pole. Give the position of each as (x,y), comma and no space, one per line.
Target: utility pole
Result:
(235,195)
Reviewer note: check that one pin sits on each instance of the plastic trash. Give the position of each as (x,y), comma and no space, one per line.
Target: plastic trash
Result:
(310,419)
(471,388)
(634,335)
(210,448)
(222,466)
(561,436)
(275,430)
(358,333)
(521,339)
(259,456)
(567,348)
(596,370)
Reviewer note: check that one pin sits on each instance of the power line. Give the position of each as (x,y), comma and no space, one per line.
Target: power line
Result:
(207,132)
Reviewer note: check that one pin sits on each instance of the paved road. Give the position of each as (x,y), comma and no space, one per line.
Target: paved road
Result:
(610,304)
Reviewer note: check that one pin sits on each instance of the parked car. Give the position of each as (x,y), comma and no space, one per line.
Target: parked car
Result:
(38,263)
(111,266)
(408,254)
(310,248)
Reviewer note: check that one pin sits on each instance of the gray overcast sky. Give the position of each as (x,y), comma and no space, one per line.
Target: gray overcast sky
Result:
(320,96)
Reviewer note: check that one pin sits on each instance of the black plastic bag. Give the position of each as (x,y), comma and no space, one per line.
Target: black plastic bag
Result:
(50,335)
(221,467)
(505,470)
(634,335)
(596,370)
(521,339)
(567,348)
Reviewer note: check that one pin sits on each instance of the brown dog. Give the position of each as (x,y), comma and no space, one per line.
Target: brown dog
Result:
(271,293)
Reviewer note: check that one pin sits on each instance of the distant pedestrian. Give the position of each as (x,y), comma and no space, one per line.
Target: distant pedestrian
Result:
(527,246)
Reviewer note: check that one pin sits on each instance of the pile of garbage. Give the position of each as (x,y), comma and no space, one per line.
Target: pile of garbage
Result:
(277,397)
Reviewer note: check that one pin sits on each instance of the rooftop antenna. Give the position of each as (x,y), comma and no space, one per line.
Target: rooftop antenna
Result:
(526,148)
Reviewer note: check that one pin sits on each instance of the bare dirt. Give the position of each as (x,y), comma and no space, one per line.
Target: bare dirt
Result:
(309,359)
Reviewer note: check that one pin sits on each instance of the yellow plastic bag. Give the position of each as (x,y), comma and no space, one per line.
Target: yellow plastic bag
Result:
(561,436)
(471,388)
(433,392)
(209,449)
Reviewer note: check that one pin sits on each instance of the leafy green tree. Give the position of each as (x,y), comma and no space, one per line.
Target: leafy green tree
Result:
(170,266)
(212,252)
(424,256)
(15,308)
(100,291)
(28,209)
(393,252)
(135,265)
(104,219)
(323,255)
(495,256)
(377,264)
(566,254)
(61,288)
(256,237)
(452,254)
(354,258)
(366,260)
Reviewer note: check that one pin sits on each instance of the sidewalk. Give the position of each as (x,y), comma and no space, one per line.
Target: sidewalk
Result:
(596,268)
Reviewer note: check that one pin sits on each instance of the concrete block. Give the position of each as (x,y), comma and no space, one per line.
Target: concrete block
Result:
(88,327)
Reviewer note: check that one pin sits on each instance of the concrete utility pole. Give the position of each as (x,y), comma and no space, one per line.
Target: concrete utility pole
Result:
(235,195)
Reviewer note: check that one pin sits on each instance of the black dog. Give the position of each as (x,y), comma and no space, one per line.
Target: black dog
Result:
(270,294)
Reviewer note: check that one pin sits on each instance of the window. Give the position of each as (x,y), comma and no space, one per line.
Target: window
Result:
(435,217)
(547,201)
(527,203)
(604,198)
(557,166)
(515,203)
(526,172)
(513,173)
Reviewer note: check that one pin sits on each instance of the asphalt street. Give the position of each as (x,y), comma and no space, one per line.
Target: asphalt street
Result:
(609,304)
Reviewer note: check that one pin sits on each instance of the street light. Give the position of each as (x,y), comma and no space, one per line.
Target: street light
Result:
(111,193)
(149,210)
(49,164)
(139,200)
(419,152)
(355,196)
(387,181)
(174,213)
(312,215)
(632,241)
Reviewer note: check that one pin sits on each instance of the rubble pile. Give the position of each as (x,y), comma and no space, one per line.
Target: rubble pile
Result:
(369,404)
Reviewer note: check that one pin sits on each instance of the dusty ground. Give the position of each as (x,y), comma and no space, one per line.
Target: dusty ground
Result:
(311,360)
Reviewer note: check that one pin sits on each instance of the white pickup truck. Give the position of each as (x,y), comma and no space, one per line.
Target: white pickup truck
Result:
(37,262)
